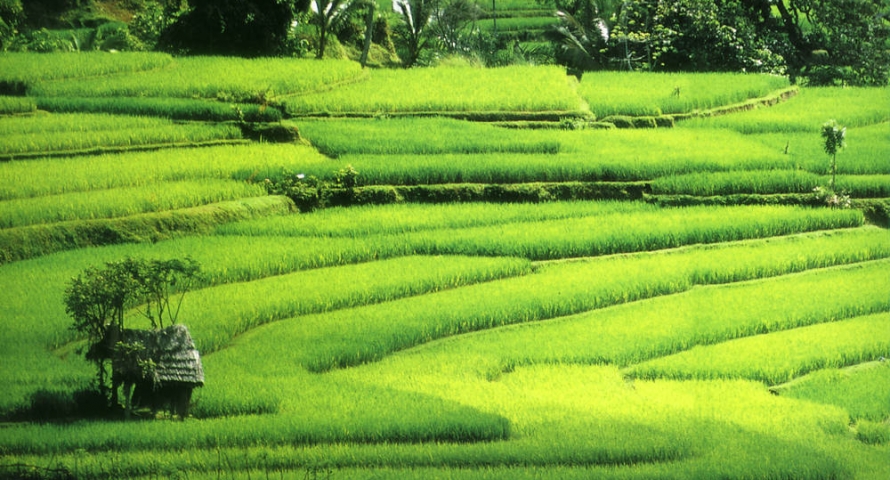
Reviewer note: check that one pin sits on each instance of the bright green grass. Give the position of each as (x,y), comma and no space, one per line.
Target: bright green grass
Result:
(74,132)
(622,335)
(437,152)
(223,319)
(173,108)
(639,331)
(36,319)
(866,150)
(600,423)
(646,227)
(769,182)
(30,67)
(358,222)
(781,356)
(549,410)
(635,93)
(223,78)
(420,136)
(447,89)
(217,315)
(121,202)
(16,105)
(75,123)
(621,233)
(851,107)
(864,391)
(254,162)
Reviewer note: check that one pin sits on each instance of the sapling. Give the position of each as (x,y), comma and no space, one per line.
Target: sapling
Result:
(833,134)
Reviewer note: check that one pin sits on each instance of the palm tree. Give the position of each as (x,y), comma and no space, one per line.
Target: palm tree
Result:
(328,15)
(416,15)
(581,35)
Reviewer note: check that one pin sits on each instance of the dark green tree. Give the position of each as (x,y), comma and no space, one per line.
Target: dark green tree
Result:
(247,28)
(11,15)
(97,299)
(694,35)
(838,41)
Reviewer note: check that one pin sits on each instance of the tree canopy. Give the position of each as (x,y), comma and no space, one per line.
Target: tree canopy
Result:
(100,298)
(824,41)
(248,28)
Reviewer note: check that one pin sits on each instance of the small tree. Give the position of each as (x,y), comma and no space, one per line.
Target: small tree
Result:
(100,298)
(833,134)
(96,299)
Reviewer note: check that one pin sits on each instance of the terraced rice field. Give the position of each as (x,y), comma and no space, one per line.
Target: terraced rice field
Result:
(719,321)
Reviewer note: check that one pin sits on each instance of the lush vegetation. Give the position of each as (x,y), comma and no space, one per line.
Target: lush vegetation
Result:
(413,333)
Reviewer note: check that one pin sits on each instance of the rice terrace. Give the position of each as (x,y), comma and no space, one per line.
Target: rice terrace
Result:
(451,272)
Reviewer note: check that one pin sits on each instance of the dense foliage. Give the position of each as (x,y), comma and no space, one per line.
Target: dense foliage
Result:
(825,42)
(822,42)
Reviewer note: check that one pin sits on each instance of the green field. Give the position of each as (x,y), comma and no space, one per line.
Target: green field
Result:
(475,301)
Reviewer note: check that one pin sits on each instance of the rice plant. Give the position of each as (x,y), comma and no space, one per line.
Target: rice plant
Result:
(16,105)
(75,123)
(868,150)
(447,89)
(30,68)
(861,390)
(79,132)
(727,183)
(122,201)
(429,136)
(853,107)
(518,24)
(351,337)
(221,78)
(55,176)
(622,233)
(635,93)
(604,230)
(635,332)
(219,314)
(781,356)
(448,151)
(173,108)
(365,221)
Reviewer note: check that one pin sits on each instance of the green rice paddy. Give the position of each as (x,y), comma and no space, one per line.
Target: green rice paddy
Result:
(743,334)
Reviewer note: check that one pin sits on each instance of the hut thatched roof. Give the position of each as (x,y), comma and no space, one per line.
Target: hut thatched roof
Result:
(171,350)
(176,357)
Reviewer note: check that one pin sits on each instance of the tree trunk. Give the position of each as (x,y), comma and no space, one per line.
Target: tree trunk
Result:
(322,39)
(369,31)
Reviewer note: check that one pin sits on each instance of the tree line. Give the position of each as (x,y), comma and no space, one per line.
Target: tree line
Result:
(822,42)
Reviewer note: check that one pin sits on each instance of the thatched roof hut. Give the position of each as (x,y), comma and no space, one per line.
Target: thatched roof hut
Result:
(168,355)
